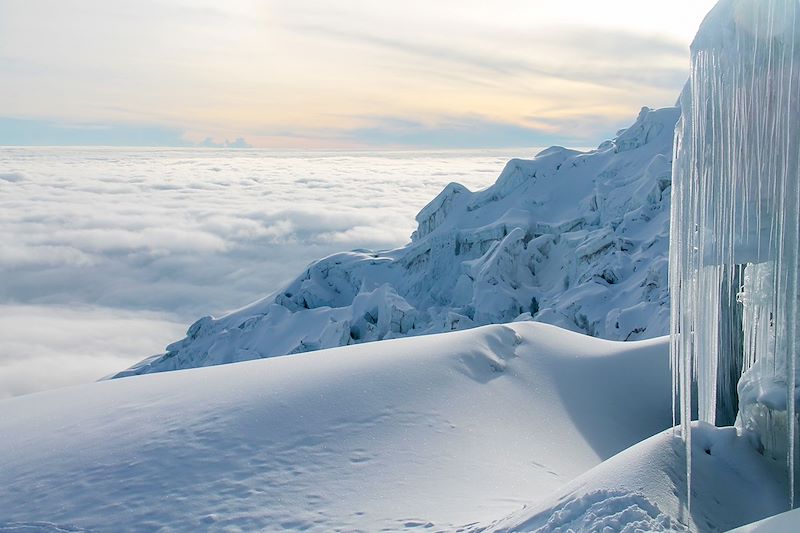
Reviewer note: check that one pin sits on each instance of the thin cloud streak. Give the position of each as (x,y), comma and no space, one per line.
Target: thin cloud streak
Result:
(185,71)
(571,42)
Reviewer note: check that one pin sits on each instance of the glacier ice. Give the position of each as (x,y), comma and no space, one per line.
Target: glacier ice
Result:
(576,239)
(735,239)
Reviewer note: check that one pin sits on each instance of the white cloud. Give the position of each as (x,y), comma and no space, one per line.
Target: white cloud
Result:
(17,256)
(11,177)
(107,256)
(116,240)
(46,347)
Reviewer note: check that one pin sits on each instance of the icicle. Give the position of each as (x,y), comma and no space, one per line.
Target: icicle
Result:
(791,400)
(735,235)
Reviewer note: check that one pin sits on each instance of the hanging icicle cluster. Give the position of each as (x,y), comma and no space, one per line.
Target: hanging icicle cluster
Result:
(735,234)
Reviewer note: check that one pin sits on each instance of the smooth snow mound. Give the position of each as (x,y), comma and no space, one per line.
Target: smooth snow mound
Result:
(575,239)
(437,433)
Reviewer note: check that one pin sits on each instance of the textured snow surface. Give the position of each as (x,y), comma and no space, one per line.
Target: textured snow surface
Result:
(575,239)
(644,489)
(431,433)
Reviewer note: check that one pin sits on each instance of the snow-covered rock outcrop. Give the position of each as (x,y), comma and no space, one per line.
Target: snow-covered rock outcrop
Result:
(575,239)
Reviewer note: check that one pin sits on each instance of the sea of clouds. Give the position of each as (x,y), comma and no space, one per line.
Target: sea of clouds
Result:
(107,254)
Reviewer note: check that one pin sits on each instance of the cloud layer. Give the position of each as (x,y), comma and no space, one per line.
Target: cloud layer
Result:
(44,347)
(124,249)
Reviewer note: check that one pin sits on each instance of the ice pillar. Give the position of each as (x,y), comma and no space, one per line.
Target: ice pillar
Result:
(734,253)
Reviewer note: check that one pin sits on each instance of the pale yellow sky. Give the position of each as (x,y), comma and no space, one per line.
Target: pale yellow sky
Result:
(339,74)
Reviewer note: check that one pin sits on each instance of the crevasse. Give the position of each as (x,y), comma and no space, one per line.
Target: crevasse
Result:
(735,228)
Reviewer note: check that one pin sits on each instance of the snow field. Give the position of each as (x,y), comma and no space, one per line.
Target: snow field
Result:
(439,433)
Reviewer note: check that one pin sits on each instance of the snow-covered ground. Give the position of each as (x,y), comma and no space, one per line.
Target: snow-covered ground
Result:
(453,430)
(500,428)
(644,489)
(576,239)
(783,523)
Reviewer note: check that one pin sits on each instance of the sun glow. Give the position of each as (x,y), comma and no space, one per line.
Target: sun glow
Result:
(312,71)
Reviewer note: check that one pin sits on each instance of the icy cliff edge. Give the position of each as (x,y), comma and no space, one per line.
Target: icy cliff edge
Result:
(575,239)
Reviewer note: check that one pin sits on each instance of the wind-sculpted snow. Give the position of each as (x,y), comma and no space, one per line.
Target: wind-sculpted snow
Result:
(575,239)
(436,433)
(449,432)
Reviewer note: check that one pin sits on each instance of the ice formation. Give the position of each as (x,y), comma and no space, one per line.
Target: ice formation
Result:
(735,227)
(575,239)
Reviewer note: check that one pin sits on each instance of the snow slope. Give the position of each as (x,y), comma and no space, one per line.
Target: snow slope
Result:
(569,238)
(431,433)
(787,522)
(644,489)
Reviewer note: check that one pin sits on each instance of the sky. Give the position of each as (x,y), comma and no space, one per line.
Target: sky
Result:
(336,75)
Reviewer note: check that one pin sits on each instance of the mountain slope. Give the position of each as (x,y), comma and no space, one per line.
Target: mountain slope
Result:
(569,238)
(453,429)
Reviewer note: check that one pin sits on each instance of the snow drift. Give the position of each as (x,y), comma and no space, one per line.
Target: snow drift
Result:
(448,432)
(643,488)
(437,433)
(575,239)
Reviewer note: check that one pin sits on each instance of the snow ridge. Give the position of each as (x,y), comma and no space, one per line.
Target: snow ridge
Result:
(575,239)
